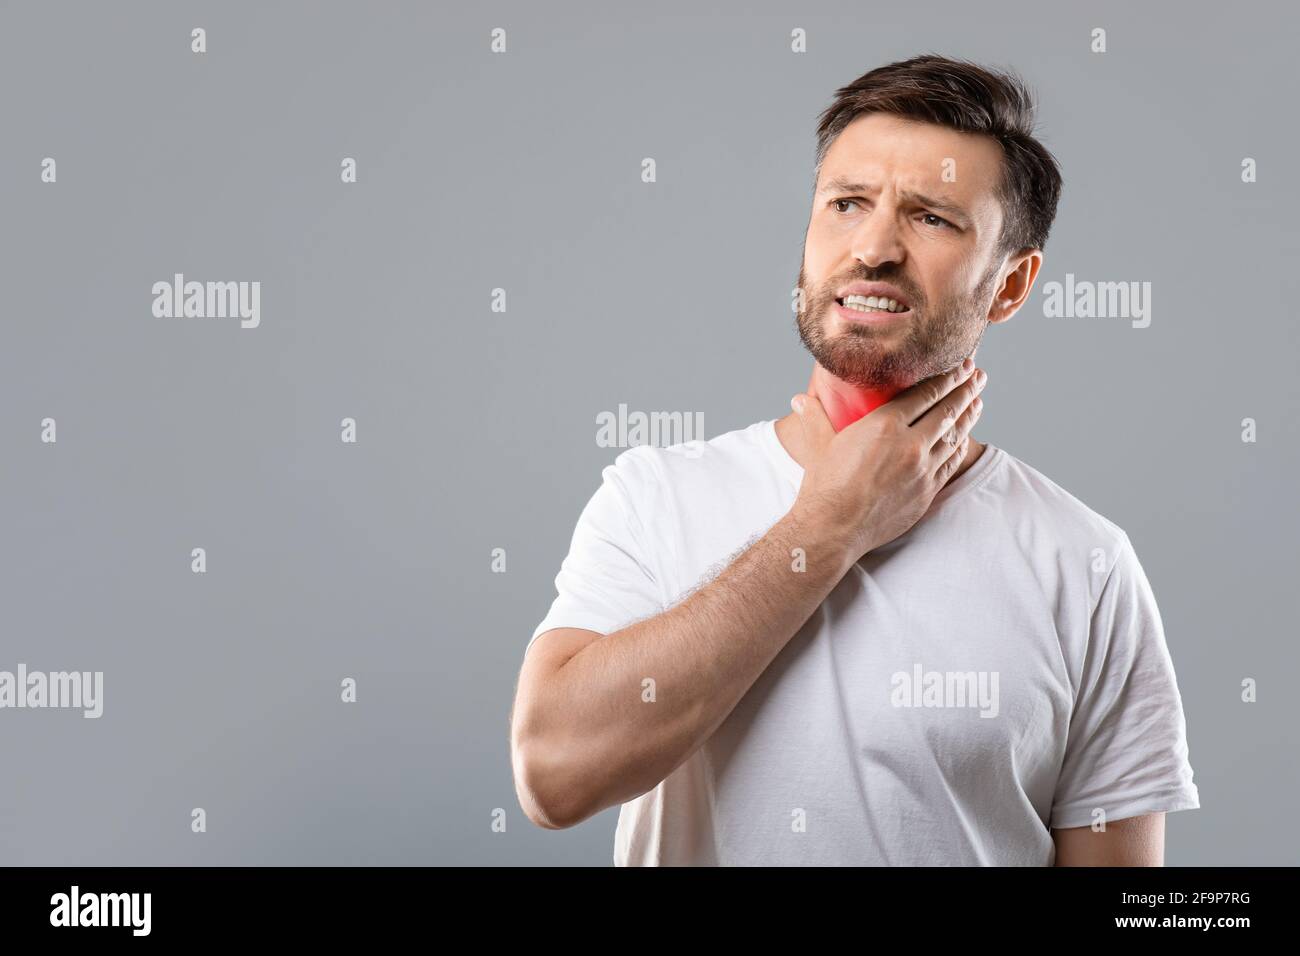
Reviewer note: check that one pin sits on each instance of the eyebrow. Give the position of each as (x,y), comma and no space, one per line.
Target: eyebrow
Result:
(841,184)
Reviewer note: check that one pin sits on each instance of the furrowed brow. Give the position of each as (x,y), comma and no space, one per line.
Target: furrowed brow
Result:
(937,204)
(840,184)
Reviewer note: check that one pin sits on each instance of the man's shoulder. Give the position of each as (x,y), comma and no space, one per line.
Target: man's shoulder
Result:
(738,447)
(1043,506)
(725,460)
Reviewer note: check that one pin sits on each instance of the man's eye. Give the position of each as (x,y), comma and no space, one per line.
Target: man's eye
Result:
(838,202)
(937,221)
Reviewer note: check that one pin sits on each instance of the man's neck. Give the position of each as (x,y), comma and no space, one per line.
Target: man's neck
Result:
(845,404)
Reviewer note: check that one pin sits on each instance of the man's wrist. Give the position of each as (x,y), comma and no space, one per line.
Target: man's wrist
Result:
(822,539)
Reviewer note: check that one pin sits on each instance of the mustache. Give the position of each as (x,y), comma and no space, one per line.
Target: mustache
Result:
(893,276)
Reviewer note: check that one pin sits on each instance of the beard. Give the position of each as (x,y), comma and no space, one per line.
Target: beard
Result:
(929,341)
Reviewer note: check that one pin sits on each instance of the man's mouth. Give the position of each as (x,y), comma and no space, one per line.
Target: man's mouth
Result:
(871,305)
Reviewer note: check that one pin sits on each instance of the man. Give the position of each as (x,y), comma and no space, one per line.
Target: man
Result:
(855,635)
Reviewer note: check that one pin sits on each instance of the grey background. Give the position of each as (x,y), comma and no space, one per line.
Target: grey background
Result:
(477,429)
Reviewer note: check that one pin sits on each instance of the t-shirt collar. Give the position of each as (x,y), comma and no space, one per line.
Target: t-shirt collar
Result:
(972,476)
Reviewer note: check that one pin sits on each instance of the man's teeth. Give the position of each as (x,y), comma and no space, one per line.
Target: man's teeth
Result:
(871,303)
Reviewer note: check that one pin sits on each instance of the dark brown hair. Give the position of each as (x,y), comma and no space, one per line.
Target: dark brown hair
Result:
(962,96)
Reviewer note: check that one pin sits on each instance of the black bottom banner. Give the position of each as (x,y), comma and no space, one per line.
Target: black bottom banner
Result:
(379,904)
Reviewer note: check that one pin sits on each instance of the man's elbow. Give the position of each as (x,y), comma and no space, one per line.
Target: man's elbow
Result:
(544,784)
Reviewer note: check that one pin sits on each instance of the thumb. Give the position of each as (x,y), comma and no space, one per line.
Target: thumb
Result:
(817,427)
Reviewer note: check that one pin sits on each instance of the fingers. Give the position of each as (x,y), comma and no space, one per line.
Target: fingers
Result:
(939,420)
(911,403)
(949,466)
(817,427)
(957,430)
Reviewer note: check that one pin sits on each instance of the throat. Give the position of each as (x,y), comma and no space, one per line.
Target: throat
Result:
(846,403)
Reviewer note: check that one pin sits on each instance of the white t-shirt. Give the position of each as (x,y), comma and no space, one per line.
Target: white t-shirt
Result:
(997,671)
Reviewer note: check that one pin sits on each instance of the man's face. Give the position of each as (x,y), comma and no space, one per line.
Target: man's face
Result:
(913,207)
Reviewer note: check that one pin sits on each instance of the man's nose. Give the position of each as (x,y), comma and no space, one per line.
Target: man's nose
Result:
(877,241)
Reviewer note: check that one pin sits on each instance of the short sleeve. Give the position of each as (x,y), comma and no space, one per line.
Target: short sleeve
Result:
(1126,751)
(608,580)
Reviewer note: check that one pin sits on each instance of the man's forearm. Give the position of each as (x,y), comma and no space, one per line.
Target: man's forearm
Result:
(609,735)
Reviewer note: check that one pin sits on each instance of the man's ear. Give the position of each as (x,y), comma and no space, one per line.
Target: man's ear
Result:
(1018,279)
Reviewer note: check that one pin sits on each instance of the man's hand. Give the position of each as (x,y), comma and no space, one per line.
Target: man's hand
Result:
(877,477)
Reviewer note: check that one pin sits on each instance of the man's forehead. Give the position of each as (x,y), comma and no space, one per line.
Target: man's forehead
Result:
(924,157)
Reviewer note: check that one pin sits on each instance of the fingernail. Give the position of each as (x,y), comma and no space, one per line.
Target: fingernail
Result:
(797,403)
(980,377)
